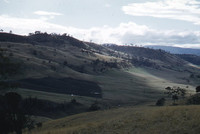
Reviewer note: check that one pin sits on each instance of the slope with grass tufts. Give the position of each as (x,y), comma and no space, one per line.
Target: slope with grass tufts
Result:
(116,75)
(143,120)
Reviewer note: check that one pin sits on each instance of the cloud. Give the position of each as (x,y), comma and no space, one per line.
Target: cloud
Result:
(7,1)
(44,13)
(108,34)
(124,33)
(186,10)
(24,26)
(107,5)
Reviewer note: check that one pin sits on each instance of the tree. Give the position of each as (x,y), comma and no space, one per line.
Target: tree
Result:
(65,63)
(37,32)
(12,116)
(174,97)
(197,89)
(175,92)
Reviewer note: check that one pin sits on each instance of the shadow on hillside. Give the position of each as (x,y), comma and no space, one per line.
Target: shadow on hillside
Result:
(63,85)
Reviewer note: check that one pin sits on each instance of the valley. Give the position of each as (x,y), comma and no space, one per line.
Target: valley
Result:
(62,64)
(70,76)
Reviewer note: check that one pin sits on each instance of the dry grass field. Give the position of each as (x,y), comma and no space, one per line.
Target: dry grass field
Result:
(137,120)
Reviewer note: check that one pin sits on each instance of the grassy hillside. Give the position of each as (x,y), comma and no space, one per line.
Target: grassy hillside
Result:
(190,58)
(54,65)
(141,120)
(58,75)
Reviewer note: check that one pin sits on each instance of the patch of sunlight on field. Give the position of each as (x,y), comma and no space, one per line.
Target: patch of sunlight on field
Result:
(123,87)
(195,66)
(158,82)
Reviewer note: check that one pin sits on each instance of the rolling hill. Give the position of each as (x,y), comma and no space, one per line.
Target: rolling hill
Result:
(142,120)
(58,76)
(57,67)
(190,58)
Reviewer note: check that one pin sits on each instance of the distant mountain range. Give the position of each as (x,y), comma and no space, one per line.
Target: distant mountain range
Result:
(177,50)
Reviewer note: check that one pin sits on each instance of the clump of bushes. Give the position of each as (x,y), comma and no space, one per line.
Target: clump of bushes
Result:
(175,93)
(160,102)
(194,99)
(39,124)
(94,107)
(197,89)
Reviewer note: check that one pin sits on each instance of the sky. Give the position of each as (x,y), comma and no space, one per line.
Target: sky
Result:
(137,22)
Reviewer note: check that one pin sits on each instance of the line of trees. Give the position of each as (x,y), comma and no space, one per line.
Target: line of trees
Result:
(176,93)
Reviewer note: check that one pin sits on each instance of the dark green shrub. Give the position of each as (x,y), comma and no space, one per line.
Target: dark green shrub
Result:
(194,99)
(94,107)
(65,63)
(73,101)
(39,124)
(160,102)
(198,89)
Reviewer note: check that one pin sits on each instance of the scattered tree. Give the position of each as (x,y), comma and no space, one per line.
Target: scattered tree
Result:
(30,34)
(65,63)
(37,32)
(175,93)
(197,89)
(175,98)
(34,52)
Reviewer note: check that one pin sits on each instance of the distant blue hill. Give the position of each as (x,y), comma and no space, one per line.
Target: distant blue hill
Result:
(177,50)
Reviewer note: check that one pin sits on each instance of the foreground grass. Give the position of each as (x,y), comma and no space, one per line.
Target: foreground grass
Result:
(138,120)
